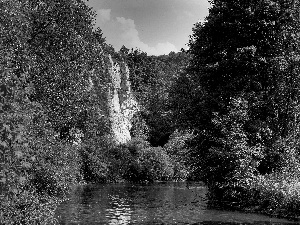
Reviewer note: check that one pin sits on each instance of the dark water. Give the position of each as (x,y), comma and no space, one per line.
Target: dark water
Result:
(160,203)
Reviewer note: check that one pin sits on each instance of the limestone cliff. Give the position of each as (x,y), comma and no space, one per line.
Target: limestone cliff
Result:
(121,102)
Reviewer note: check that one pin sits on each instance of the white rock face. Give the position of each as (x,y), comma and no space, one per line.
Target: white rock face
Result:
(122,104)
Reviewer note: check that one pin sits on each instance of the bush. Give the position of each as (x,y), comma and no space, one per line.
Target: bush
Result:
(135,145)
(57,168)
(94,168)
(38,170)
(279,191)
(178,151)
(134,161)
(95,156)
(123,159)
(103,161)
(153,163)
(120,160)
(28,207)
(278,194)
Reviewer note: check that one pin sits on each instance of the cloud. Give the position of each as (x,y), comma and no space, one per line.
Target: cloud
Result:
(129,32)
(130,36)
(103,15)
(122,31)
(166,48)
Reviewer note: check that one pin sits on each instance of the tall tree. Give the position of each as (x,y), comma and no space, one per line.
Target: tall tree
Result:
(67,50)
(245,49)
(152,78)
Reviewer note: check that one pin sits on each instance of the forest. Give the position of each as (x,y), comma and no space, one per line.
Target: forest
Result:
(225,112)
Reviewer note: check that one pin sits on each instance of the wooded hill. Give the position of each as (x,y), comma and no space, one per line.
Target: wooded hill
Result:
(225,112)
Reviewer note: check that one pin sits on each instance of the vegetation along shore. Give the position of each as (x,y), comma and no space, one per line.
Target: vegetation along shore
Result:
(75,111)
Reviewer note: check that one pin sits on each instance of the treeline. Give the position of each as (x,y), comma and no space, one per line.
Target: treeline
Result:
(225,112)
(55,125)
(152,78)
(240,95)
(49,53)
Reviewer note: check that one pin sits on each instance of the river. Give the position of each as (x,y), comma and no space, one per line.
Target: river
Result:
(158,203)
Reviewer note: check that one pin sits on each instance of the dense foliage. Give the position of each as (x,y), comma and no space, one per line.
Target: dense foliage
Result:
(54,121)
(225,112)
(152,78)
(47,51)
(240,95)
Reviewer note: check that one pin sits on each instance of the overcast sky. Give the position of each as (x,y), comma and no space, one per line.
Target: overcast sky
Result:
(154,26)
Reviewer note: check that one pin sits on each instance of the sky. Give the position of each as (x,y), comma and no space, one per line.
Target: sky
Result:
(153,26)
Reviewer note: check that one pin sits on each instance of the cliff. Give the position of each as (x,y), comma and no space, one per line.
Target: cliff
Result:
(121,102)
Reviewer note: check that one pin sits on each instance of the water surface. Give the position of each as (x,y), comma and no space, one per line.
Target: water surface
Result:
(159,203)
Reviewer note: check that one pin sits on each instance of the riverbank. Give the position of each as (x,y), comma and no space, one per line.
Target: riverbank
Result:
(155,203)
(60,166)
(270,195)
(277,196)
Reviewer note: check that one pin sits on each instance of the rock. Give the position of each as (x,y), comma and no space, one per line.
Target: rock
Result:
(121,102)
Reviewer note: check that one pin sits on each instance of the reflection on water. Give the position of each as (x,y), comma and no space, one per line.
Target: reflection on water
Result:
(160,203)
(120,212)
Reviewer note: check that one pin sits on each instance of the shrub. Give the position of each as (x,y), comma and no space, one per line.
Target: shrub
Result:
(134,161)
(288,162)
(178,151)
(278,194)
(94,169)
(123,159)
(153,163)
(136,144)
(57,167)
(95,159)
(120,160)
(36,168)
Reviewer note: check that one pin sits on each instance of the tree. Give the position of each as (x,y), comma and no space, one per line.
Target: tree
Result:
(47,52)
(152,78)
(69,54)
(249,50)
